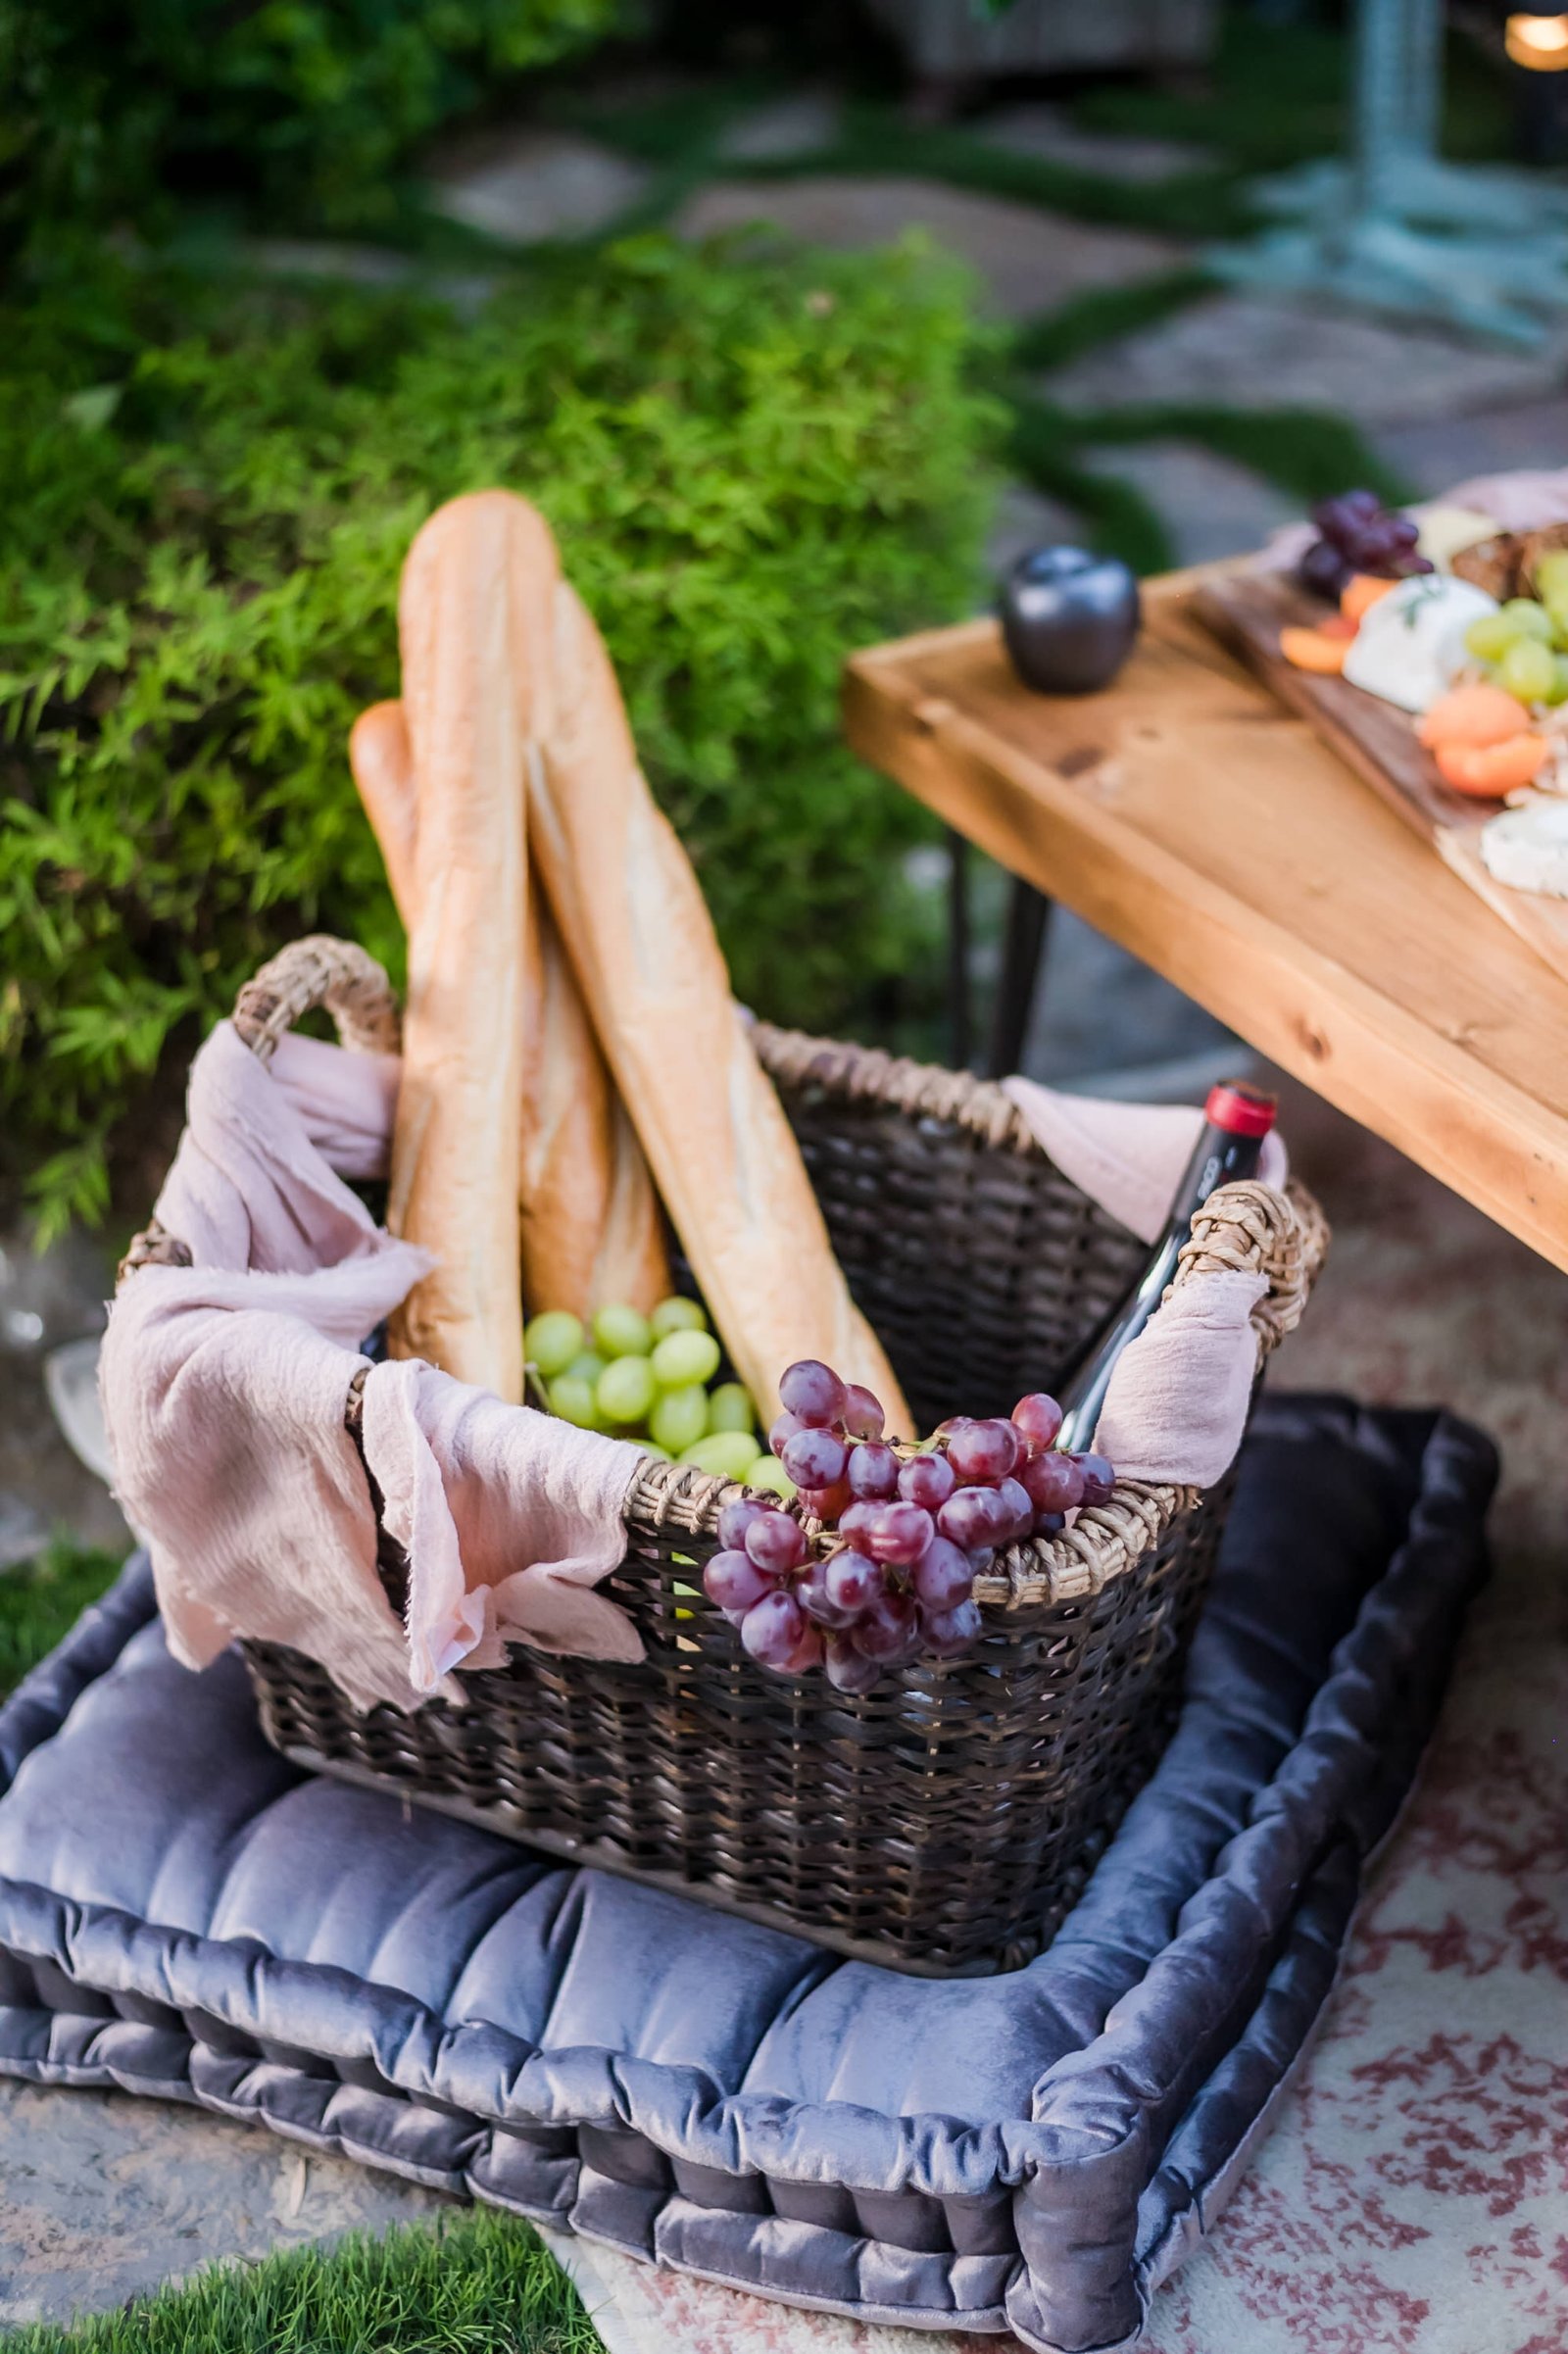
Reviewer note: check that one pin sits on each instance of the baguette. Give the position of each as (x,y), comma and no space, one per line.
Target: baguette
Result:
(475,599)
(638,932)
(382,763)
(592,1234)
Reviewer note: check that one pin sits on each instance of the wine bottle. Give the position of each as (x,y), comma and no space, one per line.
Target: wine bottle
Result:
(1236,1120)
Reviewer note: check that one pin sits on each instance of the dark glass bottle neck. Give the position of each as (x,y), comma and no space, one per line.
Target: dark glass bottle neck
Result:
(1220,1157)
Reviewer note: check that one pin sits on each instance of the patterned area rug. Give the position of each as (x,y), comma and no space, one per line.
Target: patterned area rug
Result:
(1412,2197)
(1412,2194)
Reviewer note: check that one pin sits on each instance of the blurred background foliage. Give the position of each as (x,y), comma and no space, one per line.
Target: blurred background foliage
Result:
(752,463)
(755,461)
(300,111)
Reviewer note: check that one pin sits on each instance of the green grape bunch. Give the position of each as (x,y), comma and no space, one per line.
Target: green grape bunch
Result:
(652,1378)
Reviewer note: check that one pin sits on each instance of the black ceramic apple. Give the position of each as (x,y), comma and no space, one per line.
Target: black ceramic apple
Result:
(1069,619)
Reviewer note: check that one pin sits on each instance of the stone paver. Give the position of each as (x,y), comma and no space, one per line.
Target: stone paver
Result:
(330,257)
(526,185)
(44,1304)
(1252,354)
(793,125)
(1210,506)
(1026,260)
(108,2196)
(1048,132)
(1444,450)
(1026,518)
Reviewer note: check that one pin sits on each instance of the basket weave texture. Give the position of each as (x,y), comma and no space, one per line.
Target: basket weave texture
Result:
(944,1823)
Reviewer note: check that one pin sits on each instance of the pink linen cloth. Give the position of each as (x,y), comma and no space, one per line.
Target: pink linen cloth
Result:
(223,1387)
(1177,1404)
(1176,1407)
(1129,1157)
(1527,499)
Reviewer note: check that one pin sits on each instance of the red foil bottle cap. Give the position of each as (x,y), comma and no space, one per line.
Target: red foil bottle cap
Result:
(1240,1109)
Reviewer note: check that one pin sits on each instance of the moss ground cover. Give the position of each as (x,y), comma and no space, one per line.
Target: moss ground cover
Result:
(1269,101)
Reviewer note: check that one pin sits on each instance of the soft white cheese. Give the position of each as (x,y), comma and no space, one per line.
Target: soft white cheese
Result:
(1411,642)
(1527,847)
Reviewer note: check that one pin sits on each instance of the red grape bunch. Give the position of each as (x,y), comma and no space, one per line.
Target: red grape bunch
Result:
(1358,535)
(888,1573)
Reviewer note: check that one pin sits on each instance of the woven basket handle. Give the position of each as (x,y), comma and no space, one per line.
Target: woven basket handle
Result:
(319,970)
(1253,1227)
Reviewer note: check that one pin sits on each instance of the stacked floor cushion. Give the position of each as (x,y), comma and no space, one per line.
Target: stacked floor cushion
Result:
(182,1913)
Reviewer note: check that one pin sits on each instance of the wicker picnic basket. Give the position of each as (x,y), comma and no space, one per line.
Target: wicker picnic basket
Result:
(945,1822)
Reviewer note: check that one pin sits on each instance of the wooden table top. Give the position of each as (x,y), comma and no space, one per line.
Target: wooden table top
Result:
(1188,816)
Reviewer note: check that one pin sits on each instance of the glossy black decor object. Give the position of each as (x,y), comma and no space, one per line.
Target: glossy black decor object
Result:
(1070,620)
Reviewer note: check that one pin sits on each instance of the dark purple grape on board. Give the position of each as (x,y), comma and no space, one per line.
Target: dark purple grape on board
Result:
(1324,568)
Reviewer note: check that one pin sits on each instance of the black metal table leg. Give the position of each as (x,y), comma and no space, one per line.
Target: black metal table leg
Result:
(1028,916)
(960,1039)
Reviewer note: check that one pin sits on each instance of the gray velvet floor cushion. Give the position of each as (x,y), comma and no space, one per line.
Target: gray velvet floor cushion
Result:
(184,1914)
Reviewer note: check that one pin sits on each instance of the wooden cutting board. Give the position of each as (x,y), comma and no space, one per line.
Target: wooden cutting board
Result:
(1245,611)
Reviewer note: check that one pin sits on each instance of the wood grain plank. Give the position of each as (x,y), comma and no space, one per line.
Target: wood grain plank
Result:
(1248,611)
(1189,816)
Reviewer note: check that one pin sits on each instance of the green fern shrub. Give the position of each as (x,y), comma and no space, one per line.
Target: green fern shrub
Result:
(752,466)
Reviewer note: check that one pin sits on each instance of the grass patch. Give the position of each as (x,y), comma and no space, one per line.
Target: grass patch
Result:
(879,141)
(42,1601)
(1304,451)
(679,139)
(1276,97)
(1101,314)
(1308,452)
(477,2283)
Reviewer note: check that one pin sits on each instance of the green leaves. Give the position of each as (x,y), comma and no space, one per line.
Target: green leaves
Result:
(753,463)
(302,110)
(470,2283)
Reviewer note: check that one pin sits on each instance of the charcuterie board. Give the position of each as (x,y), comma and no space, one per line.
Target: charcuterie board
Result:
(1246,610)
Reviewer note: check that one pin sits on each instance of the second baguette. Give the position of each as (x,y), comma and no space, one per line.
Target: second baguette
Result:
(636,926)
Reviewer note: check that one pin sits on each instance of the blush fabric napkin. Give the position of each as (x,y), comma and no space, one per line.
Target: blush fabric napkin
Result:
(1526,500)
(1176,1408)
(223,1387)
(1129,1157)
